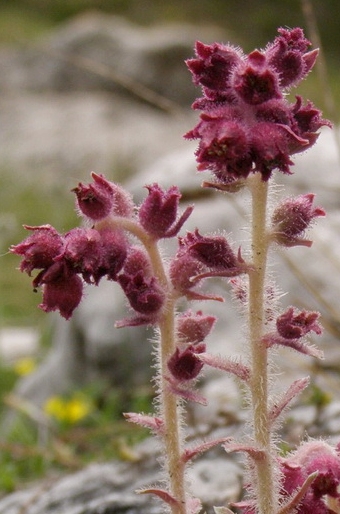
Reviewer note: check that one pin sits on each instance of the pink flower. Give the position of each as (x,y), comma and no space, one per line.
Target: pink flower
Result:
(144,294)
(310,457)
(137,261)
(255,81)
(306,121)
(247,125)
(213,65)
(291,329)
(271,147)
(213,252)
(224,147)
(183,269)
(94,253)
(62,289)
(289,57)
(82,251)
(39,249)
(95,200)
(113,253)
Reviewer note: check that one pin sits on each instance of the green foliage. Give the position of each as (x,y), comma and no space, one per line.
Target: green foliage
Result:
(23,204)
(17,24)
(251,21)
(32,450)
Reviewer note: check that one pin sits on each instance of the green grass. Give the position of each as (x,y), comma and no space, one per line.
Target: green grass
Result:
(32,450)
(23,202)
(18,24)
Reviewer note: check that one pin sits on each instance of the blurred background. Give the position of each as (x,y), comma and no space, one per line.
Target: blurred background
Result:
(101,85)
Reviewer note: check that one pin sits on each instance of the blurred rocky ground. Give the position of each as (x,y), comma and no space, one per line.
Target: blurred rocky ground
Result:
(98,93)
(101,94)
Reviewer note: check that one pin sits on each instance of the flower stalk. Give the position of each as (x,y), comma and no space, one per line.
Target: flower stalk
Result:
(259,354)
(171,407)
(169,404)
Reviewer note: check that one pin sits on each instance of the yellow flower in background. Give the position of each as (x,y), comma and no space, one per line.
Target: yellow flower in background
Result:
(25,366)
(69,410)
(77,409)
(55,407)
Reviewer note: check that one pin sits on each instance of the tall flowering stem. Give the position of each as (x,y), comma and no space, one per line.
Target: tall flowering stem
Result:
(169,403)
(172,414)
(259,352)
(247,131)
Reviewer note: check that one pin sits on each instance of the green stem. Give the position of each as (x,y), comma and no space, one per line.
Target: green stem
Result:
(266,494)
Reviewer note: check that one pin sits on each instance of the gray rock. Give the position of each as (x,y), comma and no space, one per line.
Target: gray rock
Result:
(103,52)
(99,93)
(110,488)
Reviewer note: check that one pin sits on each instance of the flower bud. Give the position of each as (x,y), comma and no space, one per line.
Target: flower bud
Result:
(212,251)
(183,269)
(294,326)
(158,212)
(63,294)
(137,261)
(292,217)
(184,364)
(62,288)
(113,253)
(82,251)
(194,327)
(99,199)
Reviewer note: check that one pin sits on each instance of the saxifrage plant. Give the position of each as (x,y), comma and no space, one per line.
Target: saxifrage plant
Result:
(248,131)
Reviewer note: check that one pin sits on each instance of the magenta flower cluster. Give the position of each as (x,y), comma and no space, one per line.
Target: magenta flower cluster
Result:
(247,124)
(323,495)
(311,480)
(66,263)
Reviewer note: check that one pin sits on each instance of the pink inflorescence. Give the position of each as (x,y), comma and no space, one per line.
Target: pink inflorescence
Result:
(314,457)
(84,255)
(247,124)
(310,480)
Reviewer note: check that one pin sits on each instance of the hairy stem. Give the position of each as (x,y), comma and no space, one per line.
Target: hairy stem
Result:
(171,408)
(170,404)
(259,379)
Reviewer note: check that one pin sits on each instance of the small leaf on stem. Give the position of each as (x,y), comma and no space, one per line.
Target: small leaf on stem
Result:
(295,500)
(152,422)
(225,364)
(161,493)
(294,389)
(191,453)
